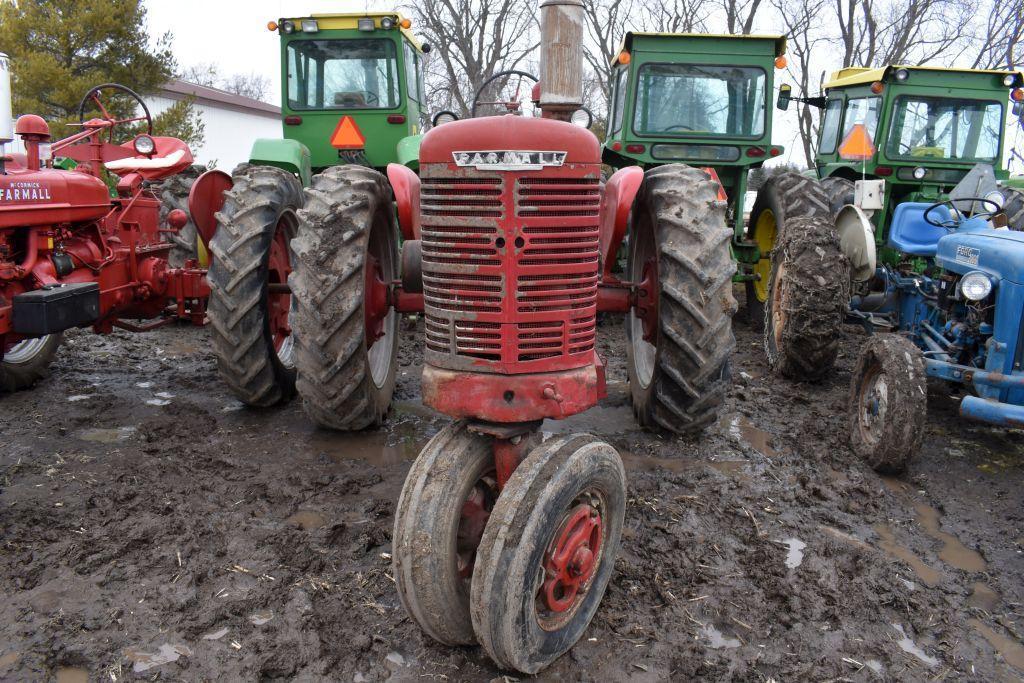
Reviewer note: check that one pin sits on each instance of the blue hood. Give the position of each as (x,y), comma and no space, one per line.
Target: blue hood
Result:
(975,246)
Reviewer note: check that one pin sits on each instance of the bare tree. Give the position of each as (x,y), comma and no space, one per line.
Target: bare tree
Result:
(998,46)
(607,23)
(900,31)
(204,73)
(254,85)
(475,39)
(800,17)
(740,14)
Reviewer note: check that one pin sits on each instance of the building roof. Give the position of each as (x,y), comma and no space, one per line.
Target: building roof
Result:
(178,90)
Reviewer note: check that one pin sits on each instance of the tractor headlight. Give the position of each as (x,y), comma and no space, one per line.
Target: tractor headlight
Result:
(975,286)
(287,27)
(387,23)
(1008,80)
(920,172)
(902,75)
(443,117)
(581,118)
(144,145)
(365,24)
(309,26)
(996,197)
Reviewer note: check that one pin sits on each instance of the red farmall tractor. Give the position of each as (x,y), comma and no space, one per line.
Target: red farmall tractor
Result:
(71,255)
(510,238)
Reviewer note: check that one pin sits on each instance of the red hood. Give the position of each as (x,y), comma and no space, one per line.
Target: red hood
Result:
(510,132)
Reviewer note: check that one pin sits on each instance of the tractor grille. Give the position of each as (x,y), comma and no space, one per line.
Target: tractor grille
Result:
(510,268)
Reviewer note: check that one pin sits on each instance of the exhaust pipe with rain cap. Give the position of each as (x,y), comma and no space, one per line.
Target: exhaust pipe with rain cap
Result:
(561,58)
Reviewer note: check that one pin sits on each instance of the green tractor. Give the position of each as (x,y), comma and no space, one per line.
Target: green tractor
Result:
(352,101)
(704,100)
(893,141)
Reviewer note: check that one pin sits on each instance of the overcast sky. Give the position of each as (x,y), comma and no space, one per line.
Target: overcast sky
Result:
(233,33)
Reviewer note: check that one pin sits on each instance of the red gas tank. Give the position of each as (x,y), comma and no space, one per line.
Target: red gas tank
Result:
(510,234)
(50,196)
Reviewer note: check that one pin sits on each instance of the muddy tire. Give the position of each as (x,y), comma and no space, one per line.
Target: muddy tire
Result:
(839,192)
(27,362)
(173,194)
(782,197)
(434,542)
(888,402)
(511,595)
(348,225)
(250,250)
(679,383)
(1013,207)
(809,293)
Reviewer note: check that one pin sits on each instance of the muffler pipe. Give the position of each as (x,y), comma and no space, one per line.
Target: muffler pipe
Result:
(561,57)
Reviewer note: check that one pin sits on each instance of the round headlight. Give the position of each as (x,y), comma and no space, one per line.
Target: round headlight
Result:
(996,197)
(581,118)
(975,286)
(902,74)
(443,117)
(144,145)
(287,27)
(387,23)
(1008,80)
(920,173)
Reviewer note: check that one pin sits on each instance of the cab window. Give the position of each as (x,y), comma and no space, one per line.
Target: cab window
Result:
(862,110)
(411,72)
(945,128)
(620,99)
(830,126)
(342,74)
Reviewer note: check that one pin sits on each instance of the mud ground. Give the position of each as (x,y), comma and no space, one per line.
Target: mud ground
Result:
(154,528)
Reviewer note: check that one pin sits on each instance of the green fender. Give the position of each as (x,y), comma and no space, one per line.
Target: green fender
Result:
(409,151)
(291,155)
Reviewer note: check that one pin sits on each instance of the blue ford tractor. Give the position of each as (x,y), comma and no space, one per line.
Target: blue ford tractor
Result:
(924,248)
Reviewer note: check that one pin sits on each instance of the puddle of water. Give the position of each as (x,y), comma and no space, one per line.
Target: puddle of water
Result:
(983,597)
(216,635)
(158,402)
(1010,649)
(717,640)
(143,385)
(167,653)
(79,397)
(954,553)
(100,435)
(9,659)
(307,520)
(260,618)
(888,543)
(599,420)
(163,394)
(72,674)
(742,429)
(382,448)
(795,554)
(912,648)
(894,485)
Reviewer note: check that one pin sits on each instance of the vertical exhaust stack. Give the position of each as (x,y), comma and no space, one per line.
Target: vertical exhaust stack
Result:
(561,57)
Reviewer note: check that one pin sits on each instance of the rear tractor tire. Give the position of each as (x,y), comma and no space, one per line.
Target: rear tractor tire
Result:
(27,362)
(251,334)
(346,335)
(888,403)
(810,291)
(783,197)
(679,370)
(1013,207)
(839,192)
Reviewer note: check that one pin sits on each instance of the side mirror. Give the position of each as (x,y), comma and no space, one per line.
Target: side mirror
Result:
(785,95)
(427,48)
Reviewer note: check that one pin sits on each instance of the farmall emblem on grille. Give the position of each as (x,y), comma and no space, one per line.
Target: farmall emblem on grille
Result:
(509,160)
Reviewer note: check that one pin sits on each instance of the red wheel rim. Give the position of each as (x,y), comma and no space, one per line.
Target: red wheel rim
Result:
(570,564)
(279,303)
(473,516)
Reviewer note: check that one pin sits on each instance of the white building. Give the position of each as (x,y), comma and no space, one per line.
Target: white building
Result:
(231,121)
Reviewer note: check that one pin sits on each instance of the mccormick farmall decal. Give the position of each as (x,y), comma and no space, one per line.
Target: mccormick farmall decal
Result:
(509,160)
(20,191)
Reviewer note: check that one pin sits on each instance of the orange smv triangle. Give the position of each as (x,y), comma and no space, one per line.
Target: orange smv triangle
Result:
(347,135)
(858,145)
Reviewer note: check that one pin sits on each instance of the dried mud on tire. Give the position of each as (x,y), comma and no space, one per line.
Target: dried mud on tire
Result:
(156,511)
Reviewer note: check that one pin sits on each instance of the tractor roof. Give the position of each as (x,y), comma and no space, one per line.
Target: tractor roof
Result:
(627,45)
(350,21)
(863,75)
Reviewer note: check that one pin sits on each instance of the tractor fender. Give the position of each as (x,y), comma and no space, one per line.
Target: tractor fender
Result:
(406,186)
(617,202)
(205,199)
(290,155)
(408,151)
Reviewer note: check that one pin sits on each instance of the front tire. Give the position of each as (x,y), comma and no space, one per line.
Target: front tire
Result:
(888,403)
(173,194)
(347,245)
(680,243)
(548,552)
(27,362)
(251,333)
(809,292)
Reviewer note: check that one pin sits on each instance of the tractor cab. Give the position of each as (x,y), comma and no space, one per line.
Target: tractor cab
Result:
(352,86)
(917,132)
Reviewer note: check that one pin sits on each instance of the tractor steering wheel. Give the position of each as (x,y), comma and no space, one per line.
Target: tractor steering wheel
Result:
(951,203)
(511,105)
(94,97)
